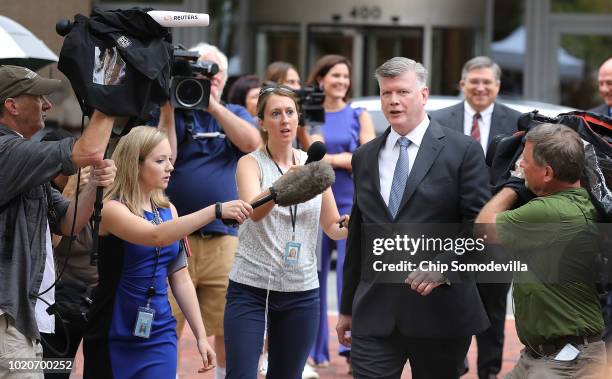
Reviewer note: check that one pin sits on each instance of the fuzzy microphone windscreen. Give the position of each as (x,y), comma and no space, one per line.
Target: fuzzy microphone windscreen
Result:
(304,183)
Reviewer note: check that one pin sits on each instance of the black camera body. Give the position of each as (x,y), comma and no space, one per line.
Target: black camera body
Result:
(190,83)
(311,100)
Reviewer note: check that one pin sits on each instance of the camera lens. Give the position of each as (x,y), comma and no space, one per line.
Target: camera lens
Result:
(189,92)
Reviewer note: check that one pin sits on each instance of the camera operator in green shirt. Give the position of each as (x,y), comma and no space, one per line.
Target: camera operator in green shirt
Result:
(556,306)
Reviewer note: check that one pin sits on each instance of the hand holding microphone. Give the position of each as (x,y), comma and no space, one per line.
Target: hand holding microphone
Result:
(301,183)
(236,211)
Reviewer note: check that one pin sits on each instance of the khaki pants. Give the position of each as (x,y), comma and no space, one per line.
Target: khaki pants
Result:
(590,364)
(13,346)
(209,266)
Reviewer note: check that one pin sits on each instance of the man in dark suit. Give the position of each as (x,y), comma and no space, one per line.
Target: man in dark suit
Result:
(416,172)
(482,118)
(479,115)
(605,88)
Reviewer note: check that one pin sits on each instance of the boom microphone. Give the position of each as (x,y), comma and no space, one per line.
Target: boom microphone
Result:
(172,19)
(297,186)
(316,152)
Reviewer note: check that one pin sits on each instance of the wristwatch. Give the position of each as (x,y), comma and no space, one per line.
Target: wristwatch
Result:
(218,213)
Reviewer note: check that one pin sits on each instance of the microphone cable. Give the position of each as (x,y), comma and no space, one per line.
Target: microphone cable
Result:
(52,310)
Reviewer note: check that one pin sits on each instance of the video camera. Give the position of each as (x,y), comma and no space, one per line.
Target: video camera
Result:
(311,100)
(190,83)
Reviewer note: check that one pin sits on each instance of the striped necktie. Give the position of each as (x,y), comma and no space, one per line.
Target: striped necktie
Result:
(475,133)
(400,176)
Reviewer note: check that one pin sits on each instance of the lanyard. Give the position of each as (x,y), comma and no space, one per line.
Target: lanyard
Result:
(292,209)
(151,290)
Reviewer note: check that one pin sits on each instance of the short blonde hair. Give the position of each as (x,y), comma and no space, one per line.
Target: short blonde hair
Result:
(131,150)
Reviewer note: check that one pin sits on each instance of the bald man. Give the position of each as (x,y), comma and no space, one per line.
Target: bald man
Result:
(605,88)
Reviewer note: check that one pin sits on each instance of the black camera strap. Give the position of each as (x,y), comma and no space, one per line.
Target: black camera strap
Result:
(292,209)
(151,290)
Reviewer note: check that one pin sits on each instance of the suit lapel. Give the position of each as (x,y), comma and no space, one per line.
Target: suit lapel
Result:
(498,119)
(377,144)
(428,152)
(456,121)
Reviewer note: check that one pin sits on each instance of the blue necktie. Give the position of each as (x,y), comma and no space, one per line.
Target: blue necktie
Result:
(400,176)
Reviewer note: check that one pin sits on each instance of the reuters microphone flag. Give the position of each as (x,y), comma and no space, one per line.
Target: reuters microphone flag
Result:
(179,19)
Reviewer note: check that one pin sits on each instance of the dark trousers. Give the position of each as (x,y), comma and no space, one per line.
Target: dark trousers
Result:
(491,341)
(385,357)
(607,315)
(58,341)
(293,319)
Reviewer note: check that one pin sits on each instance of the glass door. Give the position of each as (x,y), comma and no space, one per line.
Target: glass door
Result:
(382,44)
(276,43)
(367,47)
(342,40)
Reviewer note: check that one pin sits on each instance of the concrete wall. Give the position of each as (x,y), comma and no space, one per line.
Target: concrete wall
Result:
(450,13)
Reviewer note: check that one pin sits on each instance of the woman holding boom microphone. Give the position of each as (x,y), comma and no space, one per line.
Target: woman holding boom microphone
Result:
(131,331)
(273,282)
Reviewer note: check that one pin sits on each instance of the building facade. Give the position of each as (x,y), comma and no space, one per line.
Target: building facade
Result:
(549,50)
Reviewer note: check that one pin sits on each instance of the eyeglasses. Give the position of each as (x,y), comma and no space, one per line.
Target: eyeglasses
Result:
(484,82)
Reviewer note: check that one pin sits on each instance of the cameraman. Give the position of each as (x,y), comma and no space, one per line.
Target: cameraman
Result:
(556,306)
(30,208)
(205,173)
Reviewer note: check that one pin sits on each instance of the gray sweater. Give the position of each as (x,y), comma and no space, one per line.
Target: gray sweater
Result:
(26,167)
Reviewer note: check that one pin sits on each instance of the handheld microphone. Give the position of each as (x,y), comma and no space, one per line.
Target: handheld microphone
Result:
(297,186)
(173,19)
(316,152)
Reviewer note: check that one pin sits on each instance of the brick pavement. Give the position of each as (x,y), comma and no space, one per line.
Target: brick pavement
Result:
(338,368)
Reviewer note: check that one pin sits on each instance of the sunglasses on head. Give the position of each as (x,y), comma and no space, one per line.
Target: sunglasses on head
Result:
(271,86)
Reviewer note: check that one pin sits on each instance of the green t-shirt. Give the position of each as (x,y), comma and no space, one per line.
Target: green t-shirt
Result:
(555,235)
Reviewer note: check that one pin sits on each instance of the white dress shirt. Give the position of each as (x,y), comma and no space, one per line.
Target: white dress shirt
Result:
(45,321)
(389,154)
(484,123)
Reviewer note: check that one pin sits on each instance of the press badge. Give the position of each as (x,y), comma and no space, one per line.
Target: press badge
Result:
(292,252)
(144,322)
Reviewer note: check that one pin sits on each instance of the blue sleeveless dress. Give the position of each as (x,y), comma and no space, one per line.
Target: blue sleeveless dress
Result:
(125,272)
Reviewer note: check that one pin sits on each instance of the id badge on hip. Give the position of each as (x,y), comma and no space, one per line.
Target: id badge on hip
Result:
(144,322)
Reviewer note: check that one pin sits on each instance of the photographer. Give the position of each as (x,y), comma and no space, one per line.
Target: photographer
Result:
(30,208)
(205,171)
(556,306)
